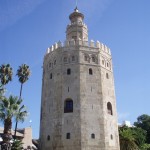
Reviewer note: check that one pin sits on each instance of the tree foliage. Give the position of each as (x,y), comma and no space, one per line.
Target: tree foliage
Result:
(132,138)
(11,107)
(23,73)
(143,122)
(127,139)
(5,74)
(17,145)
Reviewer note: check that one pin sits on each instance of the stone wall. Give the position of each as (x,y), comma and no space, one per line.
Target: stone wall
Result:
(90,95)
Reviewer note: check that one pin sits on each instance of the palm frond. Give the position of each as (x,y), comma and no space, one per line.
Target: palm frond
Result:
(23,73)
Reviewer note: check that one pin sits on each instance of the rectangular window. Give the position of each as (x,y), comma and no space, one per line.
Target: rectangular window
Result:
(68,136)
(68,107)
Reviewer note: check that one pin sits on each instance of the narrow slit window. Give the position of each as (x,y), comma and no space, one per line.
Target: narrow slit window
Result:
(68,71)
(107,75)
(68,136)
(103,62)
(90,71)
(48,138)
(51,76)
(54,62)
(111,137)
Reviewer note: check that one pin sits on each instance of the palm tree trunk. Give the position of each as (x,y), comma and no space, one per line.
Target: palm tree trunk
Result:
(7,126)
(7,136)
(17,121)
(21,90)
(15,130)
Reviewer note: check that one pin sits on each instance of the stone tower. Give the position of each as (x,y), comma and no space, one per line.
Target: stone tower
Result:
(78,107)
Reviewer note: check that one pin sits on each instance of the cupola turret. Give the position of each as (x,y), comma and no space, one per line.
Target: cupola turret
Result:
(77,30)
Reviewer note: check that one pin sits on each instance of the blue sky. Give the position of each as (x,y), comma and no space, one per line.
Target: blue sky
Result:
(28,27)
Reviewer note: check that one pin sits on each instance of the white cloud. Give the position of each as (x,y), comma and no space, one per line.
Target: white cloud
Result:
(12,11)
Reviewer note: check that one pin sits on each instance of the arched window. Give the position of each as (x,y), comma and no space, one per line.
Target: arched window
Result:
(74,37)
(73,58)
(85,58)
(68,136)
(90,71)
(107,64)
(93,59)
(68,71)
(65,59)
(68,106)
(109,108)
(48,138)
(93,136)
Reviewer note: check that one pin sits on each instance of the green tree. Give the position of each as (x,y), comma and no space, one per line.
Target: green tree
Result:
(145,147)
(132,138)
(5,76)
(20,116)
(8,108)
(17,145)
(127,139)
(140,136)
(23,74)
(143,122)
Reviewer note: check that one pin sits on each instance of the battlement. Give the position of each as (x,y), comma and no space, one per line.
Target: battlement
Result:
(72,42)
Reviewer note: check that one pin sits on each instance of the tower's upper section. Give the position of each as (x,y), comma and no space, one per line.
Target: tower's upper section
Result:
(77,30)
(77,35)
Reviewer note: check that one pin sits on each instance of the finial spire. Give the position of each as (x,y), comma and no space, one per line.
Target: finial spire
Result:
(76,9)
(76,3)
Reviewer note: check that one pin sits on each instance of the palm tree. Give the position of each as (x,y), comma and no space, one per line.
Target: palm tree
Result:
(17,145)
(8,108)
(23,74)
(20,116)
(5,76)
(127,139)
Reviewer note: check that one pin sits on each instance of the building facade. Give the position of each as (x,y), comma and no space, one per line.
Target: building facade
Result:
(78,106)
(25,135)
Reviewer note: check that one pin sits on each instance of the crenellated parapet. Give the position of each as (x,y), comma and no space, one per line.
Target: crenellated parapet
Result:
(70,43)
